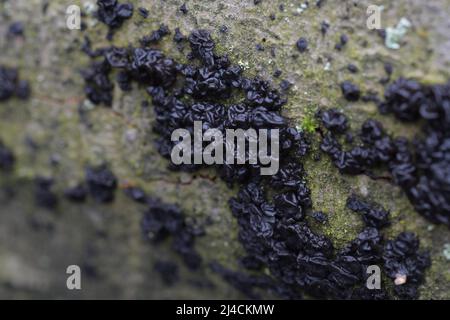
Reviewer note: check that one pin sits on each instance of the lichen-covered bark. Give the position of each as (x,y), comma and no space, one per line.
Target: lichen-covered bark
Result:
(37,245)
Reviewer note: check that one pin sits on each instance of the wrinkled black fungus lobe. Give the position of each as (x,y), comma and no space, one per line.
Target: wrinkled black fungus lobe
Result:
(112,13)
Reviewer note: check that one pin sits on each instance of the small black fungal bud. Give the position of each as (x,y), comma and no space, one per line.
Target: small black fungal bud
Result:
(136,193)
(168,271)
(277,73)
(143,12)
(183,8)
(388,68)
(11,85)
(178,36)
(334,120)
(324,26)
(102,183)
(155,36)
(223,29)
(320,217)
(7,158)
(16,29)
(350,91)
(77,193)
(302,44)
(285,85)
(44,196)
(343,39)
(352,68)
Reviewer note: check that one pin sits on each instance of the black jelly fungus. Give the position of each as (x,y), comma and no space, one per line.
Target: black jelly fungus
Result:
(320,217)
(16,29)
(137,194)
(373,215)
(11,85)
(223,29)
(302,44)
(343,39)
(419,167)
(168,271)
(324,26)
(334,120)
(271,211)
(113,14)
(162,220)
(352,68)
(102,183)
(183,8)
(143,12)
(44,195)
(277,73)
(350,91)
(178,36)
(7,158)
(401,258)
(77,193)
(155,36)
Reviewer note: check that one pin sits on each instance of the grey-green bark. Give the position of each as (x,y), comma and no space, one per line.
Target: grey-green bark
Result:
(37,245)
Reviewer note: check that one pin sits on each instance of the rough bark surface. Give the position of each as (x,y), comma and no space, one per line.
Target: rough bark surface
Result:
(58,125)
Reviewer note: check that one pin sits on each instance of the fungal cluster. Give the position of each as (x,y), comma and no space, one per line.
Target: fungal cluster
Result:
(420,167)
(271,211)
(100,183)
(162,221)
(113,14)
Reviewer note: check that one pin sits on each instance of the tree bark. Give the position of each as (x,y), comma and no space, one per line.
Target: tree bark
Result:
(57,133)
